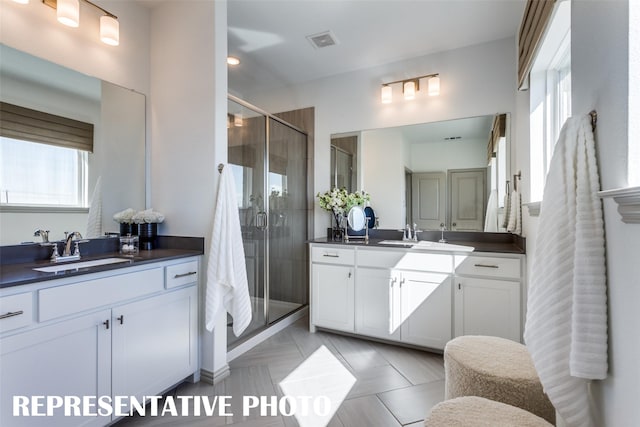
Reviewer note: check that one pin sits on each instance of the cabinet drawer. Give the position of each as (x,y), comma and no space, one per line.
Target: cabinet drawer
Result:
(181,274)
(16,311)
(77,297)
(488,266)
(331,255)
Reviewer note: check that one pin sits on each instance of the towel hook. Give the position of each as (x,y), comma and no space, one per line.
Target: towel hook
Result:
(515,182)
(594,119)
(220,167)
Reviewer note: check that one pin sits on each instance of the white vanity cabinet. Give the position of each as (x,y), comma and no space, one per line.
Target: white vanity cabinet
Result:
(396,299)
(417,297)
(124,332)
(332,288)
(488,291)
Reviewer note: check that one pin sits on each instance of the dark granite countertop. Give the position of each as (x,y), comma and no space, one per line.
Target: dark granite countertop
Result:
(505,243)
(16,266)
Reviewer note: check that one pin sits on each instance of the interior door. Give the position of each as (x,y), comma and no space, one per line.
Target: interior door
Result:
(428,199)
(468,199)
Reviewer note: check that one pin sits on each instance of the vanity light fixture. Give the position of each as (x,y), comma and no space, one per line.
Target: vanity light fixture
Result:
(232,60)
(237,120)
(410,87)
(22,1)
(68,13)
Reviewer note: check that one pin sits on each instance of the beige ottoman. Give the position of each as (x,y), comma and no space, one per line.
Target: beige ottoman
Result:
(473,411)
(497,369)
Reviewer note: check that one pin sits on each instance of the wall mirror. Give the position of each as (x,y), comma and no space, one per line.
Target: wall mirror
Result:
(118,155)
(429,174)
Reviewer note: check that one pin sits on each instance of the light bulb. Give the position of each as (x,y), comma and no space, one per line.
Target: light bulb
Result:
(237,120)
(109,30)
(409,90)
(22,1)
(434,86)
(68,12)
(386,94)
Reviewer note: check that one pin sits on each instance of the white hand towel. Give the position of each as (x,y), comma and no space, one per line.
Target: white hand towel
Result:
(515,214)
(566,327)
(94,219)
(491,217)
(227,286)
(507,206)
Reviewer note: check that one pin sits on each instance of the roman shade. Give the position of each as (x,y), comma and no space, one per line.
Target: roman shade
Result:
(498,130)
(31,125)
(537,14)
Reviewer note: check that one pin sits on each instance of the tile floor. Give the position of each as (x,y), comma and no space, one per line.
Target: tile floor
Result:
(394,386)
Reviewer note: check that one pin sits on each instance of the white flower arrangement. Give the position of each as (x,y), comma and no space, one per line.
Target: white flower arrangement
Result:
(125,216)
(339,201)
(148,216)
(130,216)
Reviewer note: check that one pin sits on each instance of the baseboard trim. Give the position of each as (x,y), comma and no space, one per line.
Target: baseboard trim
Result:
(267,333)
(214,377)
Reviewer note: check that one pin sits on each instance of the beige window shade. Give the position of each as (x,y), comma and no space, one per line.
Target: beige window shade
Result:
(498,131)
(534,22)
(31,125)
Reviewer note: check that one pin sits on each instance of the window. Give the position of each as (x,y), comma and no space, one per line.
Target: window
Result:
(34,174)
(550,95)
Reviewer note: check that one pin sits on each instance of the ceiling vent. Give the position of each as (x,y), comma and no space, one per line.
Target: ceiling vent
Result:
(324,39)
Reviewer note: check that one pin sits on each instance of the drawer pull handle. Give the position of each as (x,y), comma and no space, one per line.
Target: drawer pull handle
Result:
(191,273)
(486,266)
(332,255)
(11,314)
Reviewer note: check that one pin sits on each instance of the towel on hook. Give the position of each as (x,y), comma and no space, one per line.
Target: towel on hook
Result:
(507,206)
(227,286)
(491,217)
(514,224)
(566,326)
(94,219)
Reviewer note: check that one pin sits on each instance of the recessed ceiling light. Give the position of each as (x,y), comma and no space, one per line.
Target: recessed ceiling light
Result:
(232,60)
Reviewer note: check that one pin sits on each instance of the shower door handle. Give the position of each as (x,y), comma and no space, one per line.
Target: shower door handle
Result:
(261,220)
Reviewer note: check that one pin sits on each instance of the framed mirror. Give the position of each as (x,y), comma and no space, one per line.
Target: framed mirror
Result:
(117,157)
(431,174)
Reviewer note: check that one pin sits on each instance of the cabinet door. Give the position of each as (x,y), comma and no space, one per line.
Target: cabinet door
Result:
(426,309)
(375,297)
(70,358)
(154,343)
(333,296)
(487,307)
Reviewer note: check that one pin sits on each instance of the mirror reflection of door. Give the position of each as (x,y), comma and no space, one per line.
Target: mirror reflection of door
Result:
(468,198)
(343,158)
(429,199)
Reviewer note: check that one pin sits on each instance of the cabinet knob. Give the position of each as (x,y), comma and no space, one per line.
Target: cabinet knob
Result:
(106,324)
(349,275)
(459,286)
(120,319)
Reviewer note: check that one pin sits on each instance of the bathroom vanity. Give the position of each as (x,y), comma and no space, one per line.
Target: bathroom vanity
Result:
(122,329)
(419,296)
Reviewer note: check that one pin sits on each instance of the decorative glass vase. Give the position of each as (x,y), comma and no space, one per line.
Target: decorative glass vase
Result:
(338,227)
(148,232)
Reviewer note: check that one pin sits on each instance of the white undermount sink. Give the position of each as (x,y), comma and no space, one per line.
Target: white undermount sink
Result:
(82,264)
(397,242)
(437,246)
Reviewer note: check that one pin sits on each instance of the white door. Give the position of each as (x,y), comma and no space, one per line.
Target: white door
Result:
(487,307)
(154,343)
(426,309)
(468,199)
(375,297)
(70,358)
(429,199)
(333,297)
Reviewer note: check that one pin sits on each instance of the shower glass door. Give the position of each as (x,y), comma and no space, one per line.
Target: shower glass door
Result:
(269,163)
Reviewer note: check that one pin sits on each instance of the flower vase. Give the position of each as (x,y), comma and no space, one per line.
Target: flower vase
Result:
(148,232)
(338,230)
(128,229)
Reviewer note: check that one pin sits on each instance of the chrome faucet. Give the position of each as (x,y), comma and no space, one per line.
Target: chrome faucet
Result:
(68,237)
(442,239)
(406,236)
(415,232)
(42,233)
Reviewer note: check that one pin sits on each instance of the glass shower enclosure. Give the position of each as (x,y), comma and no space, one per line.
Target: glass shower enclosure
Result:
(268,158)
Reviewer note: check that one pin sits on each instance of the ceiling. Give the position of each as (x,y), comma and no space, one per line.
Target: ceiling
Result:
(269,36)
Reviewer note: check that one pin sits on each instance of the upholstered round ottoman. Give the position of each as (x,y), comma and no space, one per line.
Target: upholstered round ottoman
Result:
(473,411)
(497,369)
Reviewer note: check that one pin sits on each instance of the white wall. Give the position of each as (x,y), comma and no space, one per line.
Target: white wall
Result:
(599,56)
(475,81)
(188,126)
(463,154)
